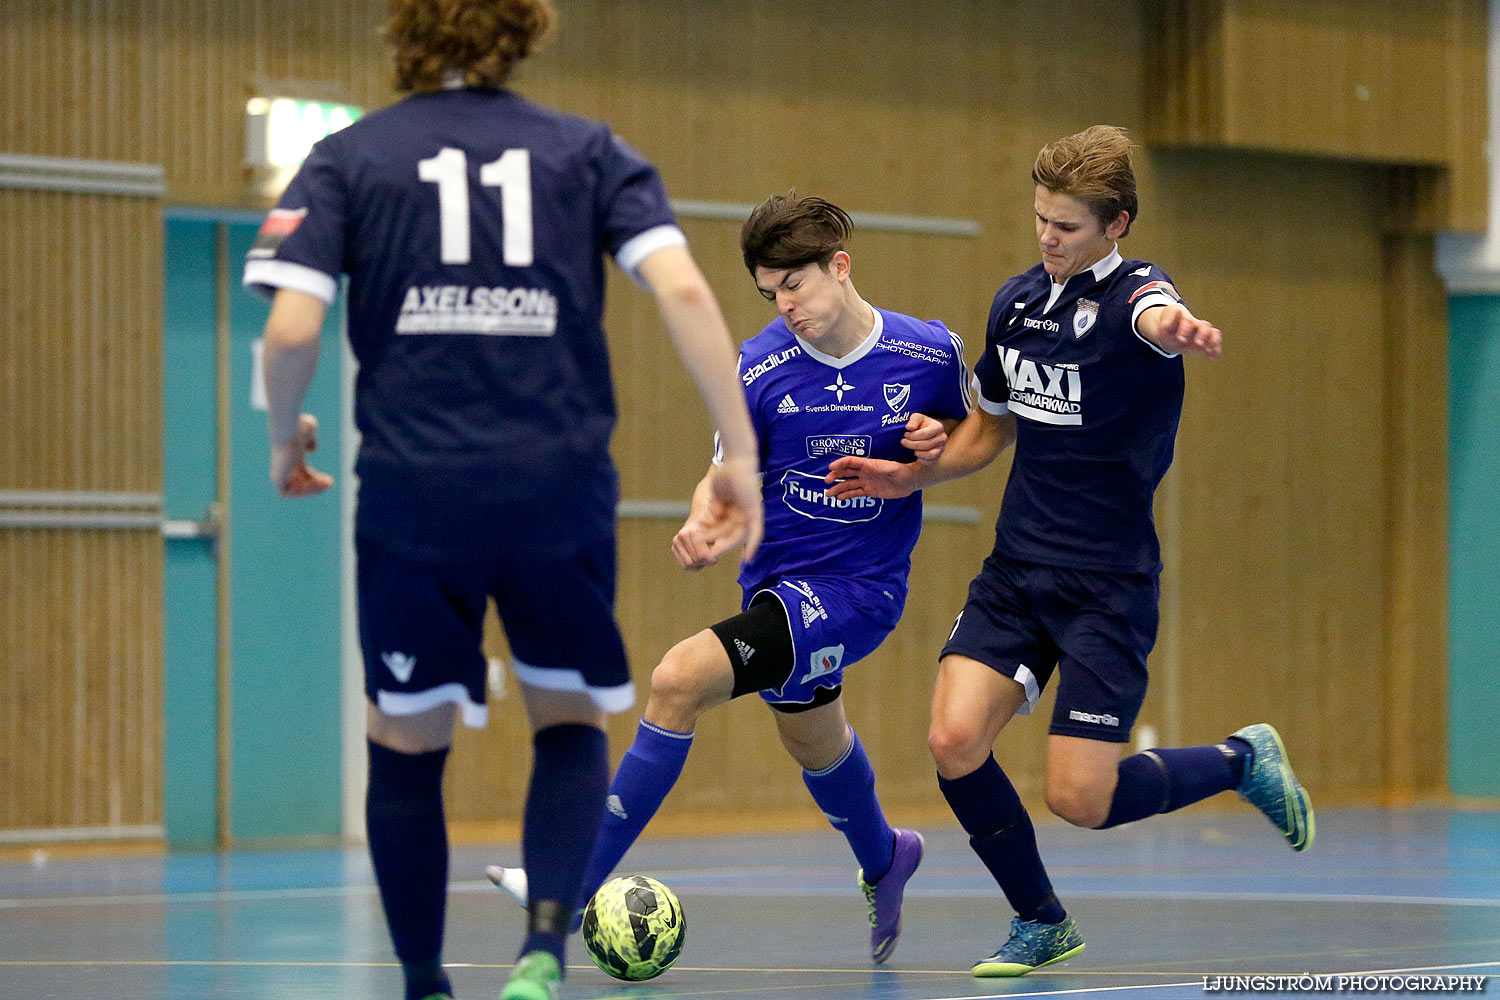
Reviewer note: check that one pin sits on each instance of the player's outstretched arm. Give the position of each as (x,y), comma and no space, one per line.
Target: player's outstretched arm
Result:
(974,443)
(1177,331)
(291,357)
(702,339)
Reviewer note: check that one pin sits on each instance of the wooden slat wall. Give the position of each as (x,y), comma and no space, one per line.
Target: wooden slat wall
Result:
(1388,81)
(80,611)
(1282,576)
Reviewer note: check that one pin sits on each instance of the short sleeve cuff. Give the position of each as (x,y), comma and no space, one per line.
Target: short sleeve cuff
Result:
(1150,301)
(267,276)
(636,249)
(986,404)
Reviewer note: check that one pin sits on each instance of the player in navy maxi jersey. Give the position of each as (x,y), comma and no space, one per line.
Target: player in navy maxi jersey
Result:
(1082,371)
(472,226)
(832,375)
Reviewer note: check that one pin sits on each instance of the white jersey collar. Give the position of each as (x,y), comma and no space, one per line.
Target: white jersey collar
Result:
(1102,270)
(865,346)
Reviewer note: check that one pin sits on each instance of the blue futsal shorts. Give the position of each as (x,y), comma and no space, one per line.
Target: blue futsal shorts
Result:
(1024,621)
(834,622)
(421,626)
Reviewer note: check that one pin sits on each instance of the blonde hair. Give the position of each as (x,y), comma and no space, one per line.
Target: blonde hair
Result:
(1094,167)
(482,40)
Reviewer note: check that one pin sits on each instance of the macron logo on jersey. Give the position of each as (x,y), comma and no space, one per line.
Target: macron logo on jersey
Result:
(1045,393)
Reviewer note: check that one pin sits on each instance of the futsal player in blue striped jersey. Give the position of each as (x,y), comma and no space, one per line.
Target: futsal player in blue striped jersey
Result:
(472,225)
(1082,371)
(831,375)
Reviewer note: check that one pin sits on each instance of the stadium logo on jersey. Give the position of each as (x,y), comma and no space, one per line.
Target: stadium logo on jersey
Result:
(823,445)
(1084,317)
(749,375)
(495,312)
(1142,272)
(805,494)
(280,223)
(839,386)
(1045,393)
(824,662)
(1164,287)
(896,396)
(400,665)
(788,405)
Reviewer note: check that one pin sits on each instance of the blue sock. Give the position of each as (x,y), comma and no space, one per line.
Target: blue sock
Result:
(845,791)
(1159,781)
(563,805)
(1000,832)
(409,850)
(647,773)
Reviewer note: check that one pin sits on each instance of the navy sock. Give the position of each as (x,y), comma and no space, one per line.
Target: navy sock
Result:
(1000,832)
(1159,781)
(647,773)
(563,805)
(845,791)
(409,850)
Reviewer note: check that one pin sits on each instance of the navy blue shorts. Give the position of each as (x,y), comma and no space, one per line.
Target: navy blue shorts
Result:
(421,626)
(1025,621)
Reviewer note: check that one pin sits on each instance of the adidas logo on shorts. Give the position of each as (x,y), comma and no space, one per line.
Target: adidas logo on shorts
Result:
(787,405)
(746,651)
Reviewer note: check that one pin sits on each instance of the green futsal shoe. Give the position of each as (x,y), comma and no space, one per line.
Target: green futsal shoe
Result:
(1270,786)
(537,977)
(1032,945)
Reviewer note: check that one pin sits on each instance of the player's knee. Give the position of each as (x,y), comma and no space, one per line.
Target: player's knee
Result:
(957,747)
(1081,803)
(678,687)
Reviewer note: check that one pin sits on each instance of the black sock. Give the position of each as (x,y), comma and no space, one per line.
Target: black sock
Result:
(569,780)
(1160,781)
(409,850)
(1000,832)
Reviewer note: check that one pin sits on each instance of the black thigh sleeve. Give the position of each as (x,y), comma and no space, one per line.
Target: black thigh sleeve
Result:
(759,643)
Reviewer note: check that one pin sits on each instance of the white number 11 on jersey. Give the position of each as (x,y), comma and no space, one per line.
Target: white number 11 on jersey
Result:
(449,170)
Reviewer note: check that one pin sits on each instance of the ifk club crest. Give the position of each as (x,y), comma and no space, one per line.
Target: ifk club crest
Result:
(1084,317)
(896,396)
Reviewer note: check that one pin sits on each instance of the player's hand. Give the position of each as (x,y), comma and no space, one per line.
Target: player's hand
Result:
(926,436)
(732,516)
(1180,331)
(290,473)
(870,477)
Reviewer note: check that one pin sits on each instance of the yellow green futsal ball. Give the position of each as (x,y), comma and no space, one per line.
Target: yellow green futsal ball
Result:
(633,928)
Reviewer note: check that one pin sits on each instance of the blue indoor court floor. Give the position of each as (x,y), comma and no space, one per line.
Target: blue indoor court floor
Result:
(1162,905)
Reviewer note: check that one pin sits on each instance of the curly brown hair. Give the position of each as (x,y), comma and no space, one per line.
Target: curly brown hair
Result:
(481,39)
(786,232)
(1094,167)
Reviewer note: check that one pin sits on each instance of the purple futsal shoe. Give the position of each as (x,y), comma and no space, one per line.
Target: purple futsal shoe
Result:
(885,895)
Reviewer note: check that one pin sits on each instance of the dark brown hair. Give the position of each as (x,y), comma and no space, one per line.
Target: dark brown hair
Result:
(482,40)
(786,232)
(1094,167)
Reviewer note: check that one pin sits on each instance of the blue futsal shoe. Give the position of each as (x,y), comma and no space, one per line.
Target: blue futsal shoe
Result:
(885,895)
(1032,945)
(1270,786)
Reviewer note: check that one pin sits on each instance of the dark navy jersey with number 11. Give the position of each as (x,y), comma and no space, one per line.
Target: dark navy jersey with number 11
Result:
(1096,409)
(472,225)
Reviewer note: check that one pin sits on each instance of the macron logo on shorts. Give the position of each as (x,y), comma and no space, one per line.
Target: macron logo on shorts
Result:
(1102,719)
(400,665)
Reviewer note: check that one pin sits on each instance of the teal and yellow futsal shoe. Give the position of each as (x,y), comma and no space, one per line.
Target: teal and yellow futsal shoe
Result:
(537,977)
(1270,786)
(1032,945)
